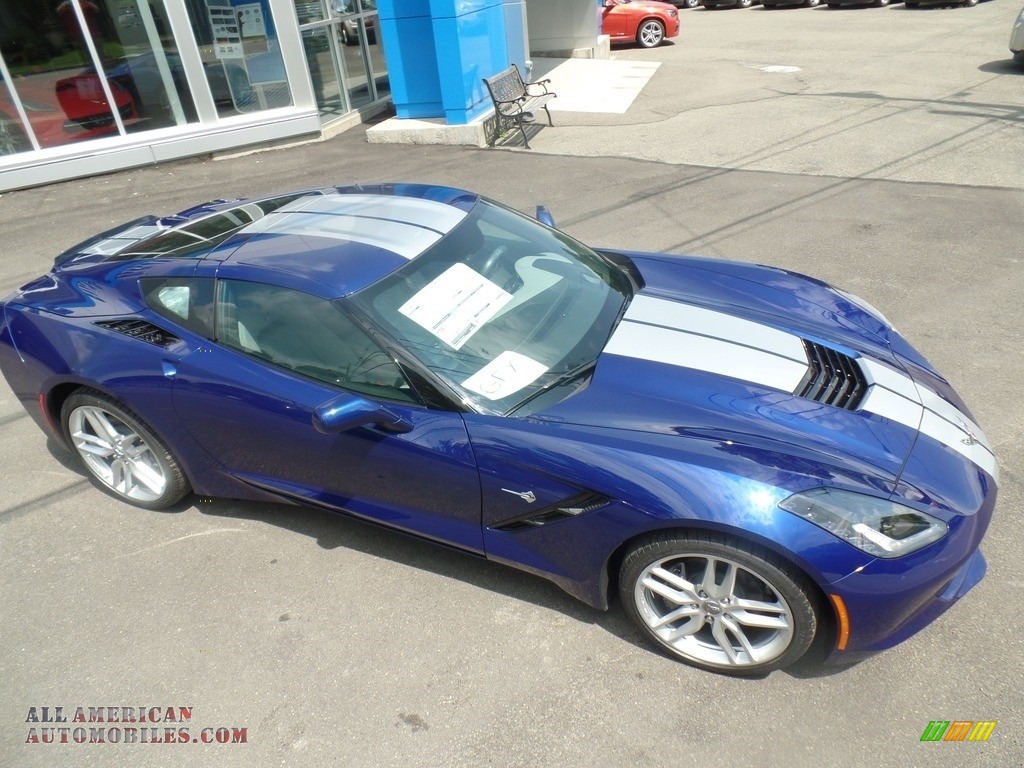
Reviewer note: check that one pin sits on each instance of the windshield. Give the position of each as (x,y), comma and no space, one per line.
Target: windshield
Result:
(501,308)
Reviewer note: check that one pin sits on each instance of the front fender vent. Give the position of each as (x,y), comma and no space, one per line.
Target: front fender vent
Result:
(832,378)
(142,330)
(580,504)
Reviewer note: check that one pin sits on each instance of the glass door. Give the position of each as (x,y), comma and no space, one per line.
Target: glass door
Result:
(344,54)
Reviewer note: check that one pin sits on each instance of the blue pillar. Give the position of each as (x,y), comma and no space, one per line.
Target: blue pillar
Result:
(407,30)
(439,51)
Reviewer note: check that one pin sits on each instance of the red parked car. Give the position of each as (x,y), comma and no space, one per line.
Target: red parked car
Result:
(61,110)
(645,22)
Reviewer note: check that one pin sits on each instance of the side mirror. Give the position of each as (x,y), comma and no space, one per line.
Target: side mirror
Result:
(347,411)
(544,216)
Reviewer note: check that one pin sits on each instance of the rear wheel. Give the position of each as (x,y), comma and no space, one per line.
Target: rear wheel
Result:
(691,3)
(650,34)
(718,604)
(121,452)
(744,3)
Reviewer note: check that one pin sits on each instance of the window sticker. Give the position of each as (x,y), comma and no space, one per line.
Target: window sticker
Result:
(504,375)
(456,304)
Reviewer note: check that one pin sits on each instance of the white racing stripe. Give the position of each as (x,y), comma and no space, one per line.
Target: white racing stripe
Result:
(896,396)
(692,337)
(687,350)
(431,214)
(682,335)
(718,325)
(406,240)
(406,226)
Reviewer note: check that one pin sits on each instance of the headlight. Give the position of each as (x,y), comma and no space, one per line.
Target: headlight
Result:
(879,527)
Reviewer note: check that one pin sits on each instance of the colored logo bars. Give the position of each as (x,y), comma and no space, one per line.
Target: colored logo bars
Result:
(958,730)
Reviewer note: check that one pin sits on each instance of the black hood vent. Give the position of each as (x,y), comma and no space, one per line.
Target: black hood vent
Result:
(832,378)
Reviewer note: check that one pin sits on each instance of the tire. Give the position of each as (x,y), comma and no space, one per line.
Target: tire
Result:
(121,452)
(744,3)
(880,3)
(812,3)
(970,3)
(650,33)
(689,611)
(691,3)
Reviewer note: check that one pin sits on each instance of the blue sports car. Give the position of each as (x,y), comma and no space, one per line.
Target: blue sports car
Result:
(755,462)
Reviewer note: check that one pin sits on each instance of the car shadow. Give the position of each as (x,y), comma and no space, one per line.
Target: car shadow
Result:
(1003,67)
(333,530)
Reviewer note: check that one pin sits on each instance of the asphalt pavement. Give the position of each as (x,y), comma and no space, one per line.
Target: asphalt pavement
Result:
(888,164)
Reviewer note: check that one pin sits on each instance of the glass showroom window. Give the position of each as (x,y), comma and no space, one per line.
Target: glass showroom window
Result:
(343,52)
(241,54)
(76,70)
(366,73)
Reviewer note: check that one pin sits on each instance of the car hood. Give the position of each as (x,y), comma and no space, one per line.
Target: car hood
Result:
(778,369)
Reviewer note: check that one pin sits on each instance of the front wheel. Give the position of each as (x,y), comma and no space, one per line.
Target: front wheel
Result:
(121,452)
(650,34)
(718,604)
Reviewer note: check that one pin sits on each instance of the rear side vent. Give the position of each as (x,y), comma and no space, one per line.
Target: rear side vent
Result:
(142,330)
(832,378)
(579,504)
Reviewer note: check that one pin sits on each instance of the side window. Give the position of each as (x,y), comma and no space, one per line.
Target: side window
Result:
(185,301)
(307,335)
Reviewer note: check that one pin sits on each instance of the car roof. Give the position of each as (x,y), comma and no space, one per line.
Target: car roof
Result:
(336,241)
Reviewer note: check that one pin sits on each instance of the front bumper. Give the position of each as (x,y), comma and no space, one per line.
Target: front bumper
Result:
(888,601)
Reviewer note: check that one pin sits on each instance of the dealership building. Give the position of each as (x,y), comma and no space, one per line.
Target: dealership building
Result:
(90,86)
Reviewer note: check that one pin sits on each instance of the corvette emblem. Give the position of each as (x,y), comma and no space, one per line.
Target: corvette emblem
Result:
(528,496)
(972,438)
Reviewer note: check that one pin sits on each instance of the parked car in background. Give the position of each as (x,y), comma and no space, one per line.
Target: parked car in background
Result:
(916,3)
(875,3)
(729,3)
(684,3)
(1017,38)
(779,3)
(349,30)
(645,22)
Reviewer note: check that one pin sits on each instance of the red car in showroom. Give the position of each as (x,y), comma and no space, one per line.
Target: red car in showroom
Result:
(60,109)
(646,22)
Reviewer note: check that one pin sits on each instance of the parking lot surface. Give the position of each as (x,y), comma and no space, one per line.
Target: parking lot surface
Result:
(322,641)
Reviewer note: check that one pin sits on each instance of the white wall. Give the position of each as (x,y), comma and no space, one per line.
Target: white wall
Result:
(562,27)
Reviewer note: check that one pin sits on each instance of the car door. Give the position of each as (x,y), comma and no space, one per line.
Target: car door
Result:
(613,20)
(249,398)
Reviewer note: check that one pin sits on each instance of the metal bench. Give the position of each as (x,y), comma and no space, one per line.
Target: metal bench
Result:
(514,100)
